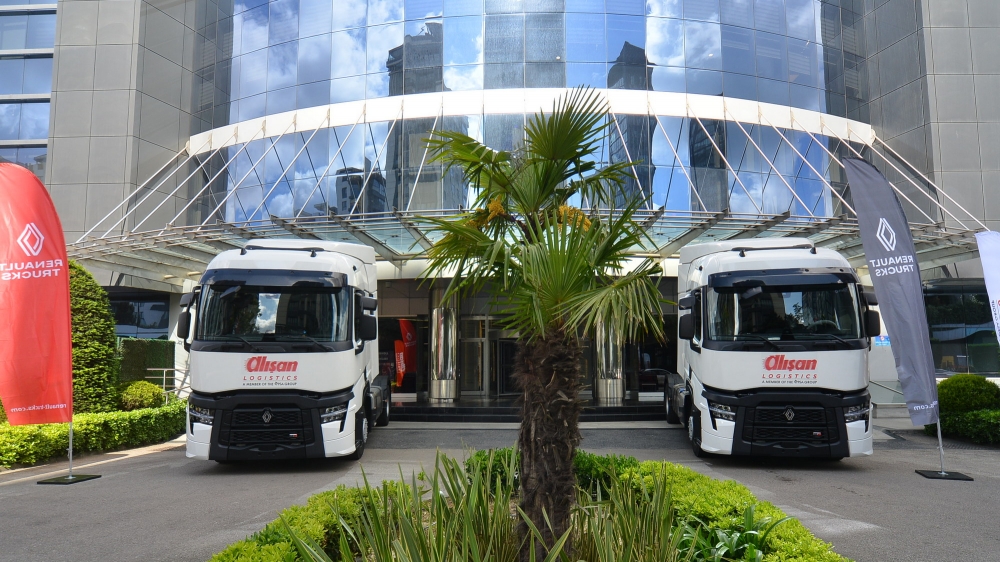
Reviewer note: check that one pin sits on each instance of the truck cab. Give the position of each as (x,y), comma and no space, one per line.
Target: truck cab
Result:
(283,357)
(773,342)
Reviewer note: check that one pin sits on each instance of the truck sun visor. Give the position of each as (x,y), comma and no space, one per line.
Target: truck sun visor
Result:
(782,277)
(274,278)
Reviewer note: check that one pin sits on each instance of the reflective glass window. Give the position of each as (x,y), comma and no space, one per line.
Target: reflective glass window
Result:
(622,30)
(463,40)
(737,12)
(668,79)
(585,38)
(769,15)
(665,8)
(544,38)
(463,7)
(703,45)
(585,6)
(12,76)
(508,75)
(281,65)
(10,120)
(312,94)
(586,74)
(13,31)
(421,9)
(34,121)
(316,16)
(665,41)
(504,6)
(251,107)
(772,91)
(632,7)
(348,54)
(739,86)
(772,58)
(804,97)
(504,39)
(549,6)
(803,63)
(463,78)
(630,75)
(283,21)
(800,17)
(253,73)
(706,82)
(347,89)
(280,101)
(253,35)
(351,13)
(830,25)
(245,5)
(377,85)
(41,31)
(384,11)
(425,47)
(314,59)
(381,40)
(704,10)
(544,75)
(737,50)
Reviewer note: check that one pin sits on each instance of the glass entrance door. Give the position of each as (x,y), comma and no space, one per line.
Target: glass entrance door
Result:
(473,355)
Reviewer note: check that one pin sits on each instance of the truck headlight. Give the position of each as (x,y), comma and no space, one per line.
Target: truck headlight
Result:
(333,413)
(856,413)
(721,411)
(201,415)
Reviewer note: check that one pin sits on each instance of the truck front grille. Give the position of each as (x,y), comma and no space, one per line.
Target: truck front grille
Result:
(791,423)
(266,425)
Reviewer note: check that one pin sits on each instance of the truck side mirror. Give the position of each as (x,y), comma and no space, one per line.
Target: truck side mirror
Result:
(873,323)
(368,328)
(686,302)
(685,327)
(368,303)
(184,325)
(870,298)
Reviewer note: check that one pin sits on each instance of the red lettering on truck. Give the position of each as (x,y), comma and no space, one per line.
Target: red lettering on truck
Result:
(781,363)
(261,364)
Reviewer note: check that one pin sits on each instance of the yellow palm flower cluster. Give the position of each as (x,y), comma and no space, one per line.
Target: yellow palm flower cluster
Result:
(573,216)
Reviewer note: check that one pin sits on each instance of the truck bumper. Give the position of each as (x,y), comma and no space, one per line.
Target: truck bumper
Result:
(272,425)
(785,424)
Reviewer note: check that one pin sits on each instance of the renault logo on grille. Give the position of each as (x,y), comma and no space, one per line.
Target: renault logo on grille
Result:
(268,416)
(789,414)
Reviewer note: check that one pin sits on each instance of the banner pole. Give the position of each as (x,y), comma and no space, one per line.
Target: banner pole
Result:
(71,450)
(940,446)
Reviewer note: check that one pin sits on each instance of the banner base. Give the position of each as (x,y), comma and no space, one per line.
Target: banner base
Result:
(938,475)
(66,480)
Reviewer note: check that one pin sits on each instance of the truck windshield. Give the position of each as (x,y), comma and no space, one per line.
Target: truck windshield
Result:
(783,312)
(253,313)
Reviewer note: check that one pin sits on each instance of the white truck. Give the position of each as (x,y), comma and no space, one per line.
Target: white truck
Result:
(283,358)
(773,342)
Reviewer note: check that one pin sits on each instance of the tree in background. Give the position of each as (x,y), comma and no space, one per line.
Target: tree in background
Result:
(557,270)
(95,362)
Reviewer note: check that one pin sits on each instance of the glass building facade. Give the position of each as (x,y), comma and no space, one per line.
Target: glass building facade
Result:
(27,36)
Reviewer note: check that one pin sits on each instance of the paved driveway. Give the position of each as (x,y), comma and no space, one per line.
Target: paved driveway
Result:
(154,504)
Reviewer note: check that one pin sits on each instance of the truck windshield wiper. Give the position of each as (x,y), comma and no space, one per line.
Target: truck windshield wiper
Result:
(250,344)
(315,342)
(827,337)
(773,345)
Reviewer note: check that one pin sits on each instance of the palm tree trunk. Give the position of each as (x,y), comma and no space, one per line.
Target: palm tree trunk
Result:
(548,372)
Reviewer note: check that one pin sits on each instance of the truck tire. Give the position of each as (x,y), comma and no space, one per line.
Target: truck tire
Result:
(672,416)
(383,416)
(360,434)
(694,433)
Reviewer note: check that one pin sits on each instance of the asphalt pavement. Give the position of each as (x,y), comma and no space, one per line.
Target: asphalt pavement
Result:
(155,504)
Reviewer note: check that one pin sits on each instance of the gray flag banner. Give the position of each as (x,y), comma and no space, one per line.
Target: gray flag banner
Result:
(892,264)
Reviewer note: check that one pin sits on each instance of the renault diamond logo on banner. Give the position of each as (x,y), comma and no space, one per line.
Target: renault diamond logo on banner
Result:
(31,240)
(886,235)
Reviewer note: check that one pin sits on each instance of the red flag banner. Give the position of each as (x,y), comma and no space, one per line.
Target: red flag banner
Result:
(36,362)
(400,361)
(409,332)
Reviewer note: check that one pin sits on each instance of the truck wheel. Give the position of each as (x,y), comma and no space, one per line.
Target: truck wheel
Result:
(383,417)
(694,433)
(360,434)
(672,416)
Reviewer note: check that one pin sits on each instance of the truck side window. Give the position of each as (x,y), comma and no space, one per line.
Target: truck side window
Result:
(697,312)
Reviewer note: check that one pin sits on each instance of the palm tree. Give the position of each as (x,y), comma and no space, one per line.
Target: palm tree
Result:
(557,271)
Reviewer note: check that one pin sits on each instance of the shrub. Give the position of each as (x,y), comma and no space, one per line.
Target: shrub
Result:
(3,414)
(30,444)
(141,394)
(966,393)
(95,363)
(979,426)
(138,355)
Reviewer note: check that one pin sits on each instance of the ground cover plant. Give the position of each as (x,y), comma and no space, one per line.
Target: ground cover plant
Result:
(970,409)
(651,511)
(24,445)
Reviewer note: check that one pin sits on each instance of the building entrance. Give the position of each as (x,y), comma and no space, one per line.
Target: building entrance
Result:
(473,355)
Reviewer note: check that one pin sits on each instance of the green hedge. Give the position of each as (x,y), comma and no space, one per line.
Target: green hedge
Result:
(979,426)
(137,395)
(719,504)
(141,354)
(95,358)
(30,444)
(967,393)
